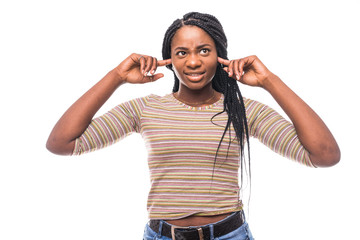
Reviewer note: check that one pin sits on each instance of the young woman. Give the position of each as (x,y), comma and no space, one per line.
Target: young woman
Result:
(196,135)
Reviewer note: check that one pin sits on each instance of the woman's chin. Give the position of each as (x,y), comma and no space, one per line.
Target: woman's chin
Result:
(196,85)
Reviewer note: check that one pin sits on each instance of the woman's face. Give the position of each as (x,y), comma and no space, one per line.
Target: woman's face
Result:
(194,57)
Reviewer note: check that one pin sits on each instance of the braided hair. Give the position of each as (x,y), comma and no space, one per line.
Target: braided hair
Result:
(233,100)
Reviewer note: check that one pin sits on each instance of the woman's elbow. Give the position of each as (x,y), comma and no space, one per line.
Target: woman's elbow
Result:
(327,158)
(57,148)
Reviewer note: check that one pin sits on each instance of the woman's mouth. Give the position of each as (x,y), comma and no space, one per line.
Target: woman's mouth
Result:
(196,76)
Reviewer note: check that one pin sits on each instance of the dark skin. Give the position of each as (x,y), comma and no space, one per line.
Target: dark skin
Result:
(194,59)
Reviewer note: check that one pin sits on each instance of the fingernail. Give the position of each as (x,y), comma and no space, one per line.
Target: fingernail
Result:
(152,72)
(237,77)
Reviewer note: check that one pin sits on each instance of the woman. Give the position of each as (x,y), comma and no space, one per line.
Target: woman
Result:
(195,136)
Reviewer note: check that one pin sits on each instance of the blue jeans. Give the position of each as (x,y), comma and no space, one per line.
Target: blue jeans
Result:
(241,233)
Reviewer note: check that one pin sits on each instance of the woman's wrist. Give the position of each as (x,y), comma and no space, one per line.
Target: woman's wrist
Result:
(117,77)
(270,82)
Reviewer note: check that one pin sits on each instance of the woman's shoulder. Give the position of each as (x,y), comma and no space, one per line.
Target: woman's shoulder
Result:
(154,98)
(148,100)
(251,103)
(253,107)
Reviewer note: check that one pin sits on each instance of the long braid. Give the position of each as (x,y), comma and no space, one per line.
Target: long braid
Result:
(235,108)
(233,100)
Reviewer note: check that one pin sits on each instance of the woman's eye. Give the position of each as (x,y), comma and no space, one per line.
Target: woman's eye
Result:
(204,51)
(181,53)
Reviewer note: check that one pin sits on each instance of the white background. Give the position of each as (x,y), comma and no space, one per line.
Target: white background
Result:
(53,51)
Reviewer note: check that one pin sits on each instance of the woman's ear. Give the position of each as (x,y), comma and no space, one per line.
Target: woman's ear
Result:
(170,66)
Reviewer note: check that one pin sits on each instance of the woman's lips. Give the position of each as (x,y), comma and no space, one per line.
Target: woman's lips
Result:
(195,76)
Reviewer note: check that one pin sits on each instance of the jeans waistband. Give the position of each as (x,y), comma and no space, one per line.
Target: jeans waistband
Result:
(205,232)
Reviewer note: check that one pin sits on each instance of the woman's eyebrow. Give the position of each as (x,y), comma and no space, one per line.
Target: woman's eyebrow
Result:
(203,45)
(197,47)
(180,48)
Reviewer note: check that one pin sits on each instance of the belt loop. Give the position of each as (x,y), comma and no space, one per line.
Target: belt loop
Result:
(172,232)
(211,226)
(242,215)
(160,228)
(201,234)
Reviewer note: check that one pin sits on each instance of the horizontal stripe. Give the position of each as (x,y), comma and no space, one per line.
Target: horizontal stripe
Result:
(182,142)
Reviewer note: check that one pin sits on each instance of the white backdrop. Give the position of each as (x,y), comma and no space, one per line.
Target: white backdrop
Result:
(51,52)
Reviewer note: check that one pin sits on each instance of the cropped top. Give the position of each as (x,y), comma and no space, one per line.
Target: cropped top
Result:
(182,142)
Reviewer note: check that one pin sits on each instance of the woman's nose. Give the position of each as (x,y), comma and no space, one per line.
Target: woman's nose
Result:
(193,61)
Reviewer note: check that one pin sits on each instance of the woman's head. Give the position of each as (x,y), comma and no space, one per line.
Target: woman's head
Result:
(207,23)
(194,57)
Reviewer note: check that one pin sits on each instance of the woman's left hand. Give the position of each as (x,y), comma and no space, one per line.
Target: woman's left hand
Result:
(249,70)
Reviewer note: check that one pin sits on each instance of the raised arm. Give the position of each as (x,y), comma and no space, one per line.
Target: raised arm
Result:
(134,69)
(311,130)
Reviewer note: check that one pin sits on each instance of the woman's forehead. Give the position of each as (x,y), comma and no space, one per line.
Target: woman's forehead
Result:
(189,35)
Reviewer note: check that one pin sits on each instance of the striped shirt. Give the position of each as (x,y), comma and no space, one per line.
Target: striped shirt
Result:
(182,142)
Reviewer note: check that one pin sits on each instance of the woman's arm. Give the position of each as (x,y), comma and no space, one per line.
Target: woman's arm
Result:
(77,118)
(311,130)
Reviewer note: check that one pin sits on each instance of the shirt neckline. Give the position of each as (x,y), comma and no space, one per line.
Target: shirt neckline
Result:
(174,99)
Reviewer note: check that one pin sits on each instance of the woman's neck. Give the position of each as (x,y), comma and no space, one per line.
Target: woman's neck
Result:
(198,97)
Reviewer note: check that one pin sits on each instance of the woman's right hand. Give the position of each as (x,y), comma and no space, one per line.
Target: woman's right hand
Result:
(139,68)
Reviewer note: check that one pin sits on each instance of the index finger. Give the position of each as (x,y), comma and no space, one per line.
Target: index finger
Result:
(164,62)
(223,61)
